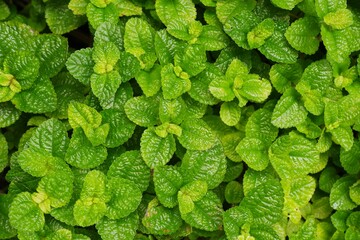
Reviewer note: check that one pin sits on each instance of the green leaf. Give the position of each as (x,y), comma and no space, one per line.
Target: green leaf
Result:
(234,219)
(52,51)
(221,88)
(24,66)
(258,35)
(283,75)
(150,81)
(160,220)
(81,115)
(58,187)
(339,195)
(80,64)
(155,150)
(343,135)
(165,47)
(97,16)
(212,38)
(125,198)
(226,9)
(7,231)
(207,213)
(259,126)
(336,43)
(288,5)
(108,32)
(167,182)
(82,154)
(124,228)
(340,19)
(51,137)
(265,202)
(196,135)
(254,152)
(128,8)
(172,111)
(36,163)
(40,98)
(143,110)
(139,41)
(8,114)
(78,6)
(174,82)
(129,66)
(206,165)
(196,190)
(200,85)
(88,211)
(104,86)
(60,18)
(307,230)
(302,35)
(253,88)
(24,213)
(3,152)
(327,179)
(350,159)
(276,48)
(121,128)
(175,10)
(230,113)
(191,59)
(122,95)
(5,11)
(355,192)
(294,155)
(323,7)
(288,111)
(234,192)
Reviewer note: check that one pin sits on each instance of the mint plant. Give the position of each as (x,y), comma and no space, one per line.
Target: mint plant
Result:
(181,119)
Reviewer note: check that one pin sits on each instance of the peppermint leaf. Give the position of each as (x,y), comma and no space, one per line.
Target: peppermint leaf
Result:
(104,86)
(142,110)
(288,5)
(8,114)
(96,16)
(230,113)
(124,228)
(80,64)
(177,10)
(339,195)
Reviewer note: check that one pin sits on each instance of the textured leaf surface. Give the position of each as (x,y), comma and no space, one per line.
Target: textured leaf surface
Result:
(172,85)
(196,135)
(339,195)
(175,10)
(3,152)
(124,228)
(350,159)
(253,152)
(284,4)
(104,86)
(207,165)
(8,114)
(143,110)
(97,16)
(7,231)
(24,214)
(80,64)
(155,150)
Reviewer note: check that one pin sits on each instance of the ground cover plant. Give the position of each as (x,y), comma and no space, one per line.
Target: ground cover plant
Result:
(179,119)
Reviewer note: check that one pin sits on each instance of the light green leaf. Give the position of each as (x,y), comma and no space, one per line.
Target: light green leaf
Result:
(82,154)
(293,155)
(253,88)
(60,18)
(212,38)
(207,213)
(131,166)
(143,110)
(263,231)
(196,190)
(155,150)
(8,114)
(282,76)
(175,10)
(81,115)
(122,95)
(105,56)
(258,35)
(339,195)
(253,152)
(104,86)
(302,35)
(340,19)
(230,113)
(108,32)
(343,135)
(167,182)
(128,66)
(89,211)
(150,81)
(97,16)
(234,219)
(51,137)
(196,135)
(206,165)
(24,214)
(327,178)
(259,126)
(94,186)
(125,198)
(173,111)
(124,228)
(307,230)
(174,84)
(350,159)
(323,7)
(284,4)
(128,8)
(221,88)
(160,220)
(265,202)
(78,6)
(40,98)
(5,11)
(234,192)
(80,64)
(24,67)
(226,9)
(355,192)
(191,59)
(52,51)
(310,129)
(276,48)
(121,128)
(165,47)
(194,108)
(3,152)
(288,111)
(336,43)
(58,187)
(7,231)
(200,85)
(139,41)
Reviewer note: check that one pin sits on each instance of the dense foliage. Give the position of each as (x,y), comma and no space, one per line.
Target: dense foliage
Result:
(172,119)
